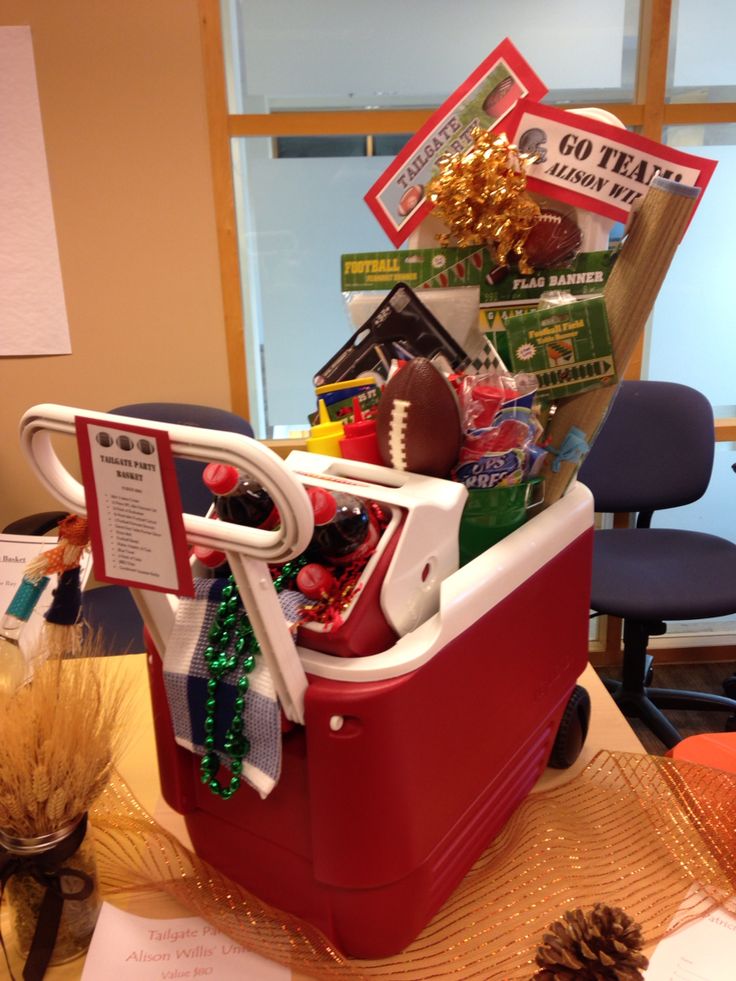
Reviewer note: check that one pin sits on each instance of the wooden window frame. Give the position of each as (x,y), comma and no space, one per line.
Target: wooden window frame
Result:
(650,113)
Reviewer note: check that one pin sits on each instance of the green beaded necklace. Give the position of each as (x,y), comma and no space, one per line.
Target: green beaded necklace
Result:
(232,645)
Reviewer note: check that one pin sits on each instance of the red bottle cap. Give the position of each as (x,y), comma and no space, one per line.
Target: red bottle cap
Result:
(211,557)
(314,580)
(220,478)
(323,504)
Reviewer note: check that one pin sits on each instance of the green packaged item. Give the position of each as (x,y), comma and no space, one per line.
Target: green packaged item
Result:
(567,347)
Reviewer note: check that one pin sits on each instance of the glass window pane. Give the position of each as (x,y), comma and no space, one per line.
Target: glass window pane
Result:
(300,216)
(692,333)
(300,199)
(320,146)
(389,144)
(702,65)
(692,336)
(327,53)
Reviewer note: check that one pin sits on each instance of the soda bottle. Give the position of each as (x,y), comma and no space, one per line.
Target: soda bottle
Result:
(343,530)
(214,560)
(239,498)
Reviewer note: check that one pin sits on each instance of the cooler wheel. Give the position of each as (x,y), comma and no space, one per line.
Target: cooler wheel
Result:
(572,730)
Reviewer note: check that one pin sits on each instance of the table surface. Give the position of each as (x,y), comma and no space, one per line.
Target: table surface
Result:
(138,766)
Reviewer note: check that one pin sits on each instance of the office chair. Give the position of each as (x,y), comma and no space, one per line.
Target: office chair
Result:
(110,609)
(655,450)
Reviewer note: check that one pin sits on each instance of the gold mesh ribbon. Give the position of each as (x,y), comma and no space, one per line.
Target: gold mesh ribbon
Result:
(632,831)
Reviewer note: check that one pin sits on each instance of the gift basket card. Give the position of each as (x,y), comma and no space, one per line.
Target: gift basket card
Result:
(400,328)
(398,198)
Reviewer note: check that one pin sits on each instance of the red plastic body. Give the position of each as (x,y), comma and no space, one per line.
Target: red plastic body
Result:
(366,630)
(374,824)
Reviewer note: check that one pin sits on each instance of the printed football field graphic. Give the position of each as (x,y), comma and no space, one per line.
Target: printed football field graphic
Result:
(600,368)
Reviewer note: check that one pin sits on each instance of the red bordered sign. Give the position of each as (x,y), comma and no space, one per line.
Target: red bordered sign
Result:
(397,199)
(133,506)
(592,165)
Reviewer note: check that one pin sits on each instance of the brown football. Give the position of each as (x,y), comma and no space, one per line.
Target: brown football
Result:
(418,421)
(553,239)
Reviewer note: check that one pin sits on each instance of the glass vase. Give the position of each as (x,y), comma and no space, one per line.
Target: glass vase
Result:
(77,876)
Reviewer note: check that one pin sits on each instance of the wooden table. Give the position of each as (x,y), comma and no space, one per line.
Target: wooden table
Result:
(138,766)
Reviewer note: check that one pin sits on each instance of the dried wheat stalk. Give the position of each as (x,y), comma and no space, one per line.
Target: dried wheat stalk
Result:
(59,737)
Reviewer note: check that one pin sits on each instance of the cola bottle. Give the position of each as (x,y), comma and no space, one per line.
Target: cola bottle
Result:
(343,529)
(239,498)
(214,560)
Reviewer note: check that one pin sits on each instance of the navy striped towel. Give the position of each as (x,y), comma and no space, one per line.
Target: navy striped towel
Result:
(185,678)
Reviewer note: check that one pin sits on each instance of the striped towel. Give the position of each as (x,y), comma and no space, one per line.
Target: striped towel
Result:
(185,678)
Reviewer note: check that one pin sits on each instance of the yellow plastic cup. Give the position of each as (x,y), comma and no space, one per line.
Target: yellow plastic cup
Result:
(326,436)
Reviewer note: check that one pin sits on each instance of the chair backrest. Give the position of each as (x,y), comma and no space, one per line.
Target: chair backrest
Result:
(655,448)
(195,497)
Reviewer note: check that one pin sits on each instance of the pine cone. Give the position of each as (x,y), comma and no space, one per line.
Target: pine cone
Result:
(602,945)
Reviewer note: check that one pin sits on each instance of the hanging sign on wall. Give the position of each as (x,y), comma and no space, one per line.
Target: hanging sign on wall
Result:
(33,317)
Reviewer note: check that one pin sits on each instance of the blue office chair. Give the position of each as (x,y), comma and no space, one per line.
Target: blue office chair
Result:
(109,609)
(655,450)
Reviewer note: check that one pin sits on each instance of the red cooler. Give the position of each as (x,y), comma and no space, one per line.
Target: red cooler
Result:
(404,762)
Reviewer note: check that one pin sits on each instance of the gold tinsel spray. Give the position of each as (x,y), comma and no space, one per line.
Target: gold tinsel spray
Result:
(480,194)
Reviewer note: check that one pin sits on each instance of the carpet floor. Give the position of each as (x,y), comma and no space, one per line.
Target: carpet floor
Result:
(691,677)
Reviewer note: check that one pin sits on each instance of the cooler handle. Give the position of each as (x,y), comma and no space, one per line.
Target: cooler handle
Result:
(249,550)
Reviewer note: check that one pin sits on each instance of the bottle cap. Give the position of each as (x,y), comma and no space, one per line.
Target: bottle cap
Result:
(314,580)
(211,557)
(323,504)
(220,478)
(326,435)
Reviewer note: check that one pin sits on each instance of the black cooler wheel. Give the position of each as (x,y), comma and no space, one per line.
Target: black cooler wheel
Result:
(572,730)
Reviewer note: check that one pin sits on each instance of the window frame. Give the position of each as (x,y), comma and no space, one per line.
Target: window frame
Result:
(649,114)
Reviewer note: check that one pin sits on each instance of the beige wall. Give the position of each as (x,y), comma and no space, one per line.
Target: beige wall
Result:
(122,98)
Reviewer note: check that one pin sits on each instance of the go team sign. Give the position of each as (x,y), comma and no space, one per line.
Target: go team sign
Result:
(592,165)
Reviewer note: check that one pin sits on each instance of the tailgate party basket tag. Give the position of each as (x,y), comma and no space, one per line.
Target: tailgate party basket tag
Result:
(397,198)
